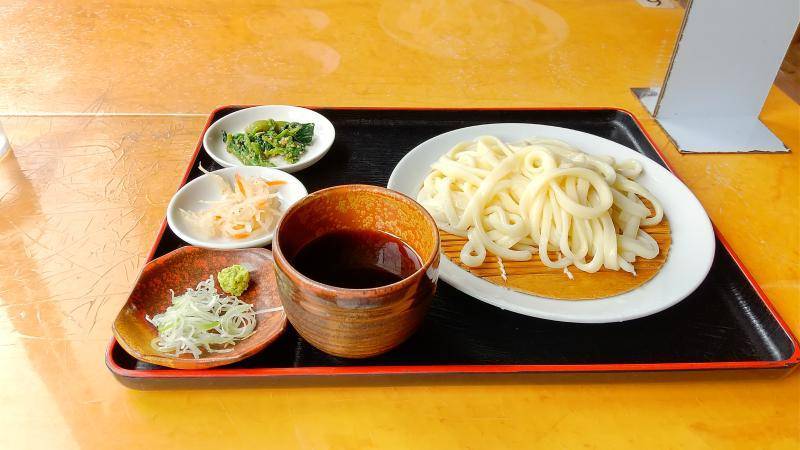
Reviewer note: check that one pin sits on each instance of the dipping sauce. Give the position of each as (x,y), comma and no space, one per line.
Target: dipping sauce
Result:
(356,259)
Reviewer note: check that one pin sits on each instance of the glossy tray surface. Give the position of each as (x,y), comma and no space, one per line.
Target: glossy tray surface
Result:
(725,323)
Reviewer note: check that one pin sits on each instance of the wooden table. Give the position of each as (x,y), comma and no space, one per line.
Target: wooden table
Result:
(104,101)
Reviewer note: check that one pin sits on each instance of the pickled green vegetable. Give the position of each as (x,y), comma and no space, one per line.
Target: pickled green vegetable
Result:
(264,140)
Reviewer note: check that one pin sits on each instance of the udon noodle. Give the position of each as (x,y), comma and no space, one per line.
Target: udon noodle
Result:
(538,196)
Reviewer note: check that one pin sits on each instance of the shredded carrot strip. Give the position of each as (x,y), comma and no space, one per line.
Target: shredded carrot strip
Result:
(250,205)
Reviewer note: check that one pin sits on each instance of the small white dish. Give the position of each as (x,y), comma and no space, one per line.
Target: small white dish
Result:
(236,122)
(690,256)
(205,188)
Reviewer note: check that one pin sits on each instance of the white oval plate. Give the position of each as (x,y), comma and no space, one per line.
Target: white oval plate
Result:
(690,255)
(237,121)
(204,188)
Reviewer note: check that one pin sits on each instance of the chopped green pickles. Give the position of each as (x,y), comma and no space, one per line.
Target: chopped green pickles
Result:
(263,140)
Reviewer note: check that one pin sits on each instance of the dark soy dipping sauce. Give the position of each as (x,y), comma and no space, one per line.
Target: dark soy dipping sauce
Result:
(356,259)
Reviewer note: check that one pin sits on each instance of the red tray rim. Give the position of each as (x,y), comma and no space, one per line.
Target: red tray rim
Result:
(789,362)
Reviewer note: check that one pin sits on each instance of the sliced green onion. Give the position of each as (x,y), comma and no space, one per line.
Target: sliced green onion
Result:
(202,319)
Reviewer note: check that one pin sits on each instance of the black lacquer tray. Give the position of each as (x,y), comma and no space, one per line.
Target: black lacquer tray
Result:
(727,323)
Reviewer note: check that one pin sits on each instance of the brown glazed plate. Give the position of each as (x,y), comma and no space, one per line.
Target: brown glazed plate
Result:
(182,269)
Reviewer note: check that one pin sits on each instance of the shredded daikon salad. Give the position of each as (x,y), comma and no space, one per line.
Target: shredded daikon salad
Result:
(251,206)
(202,319)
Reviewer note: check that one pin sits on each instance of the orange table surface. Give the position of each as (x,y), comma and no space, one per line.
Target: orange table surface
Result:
(104,102)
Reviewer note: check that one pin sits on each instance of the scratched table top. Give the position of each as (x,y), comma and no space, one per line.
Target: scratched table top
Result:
(103,103)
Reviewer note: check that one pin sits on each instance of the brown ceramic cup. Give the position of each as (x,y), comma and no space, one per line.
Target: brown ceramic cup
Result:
(356,323)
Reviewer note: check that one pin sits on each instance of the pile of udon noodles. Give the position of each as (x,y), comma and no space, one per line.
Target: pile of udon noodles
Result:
(515,200)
